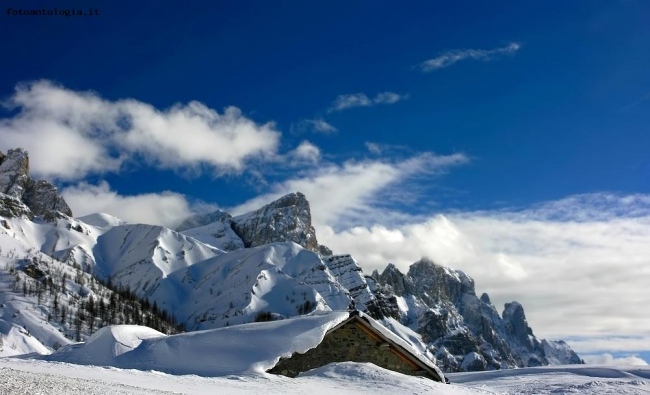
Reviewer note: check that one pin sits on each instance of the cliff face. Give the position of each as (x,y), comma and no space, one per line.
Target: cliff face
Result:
(40,196)
(286,219)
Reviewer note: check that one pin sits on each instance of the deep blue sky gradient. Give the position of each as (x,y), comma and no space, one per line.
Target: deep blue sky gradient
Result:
(567,114)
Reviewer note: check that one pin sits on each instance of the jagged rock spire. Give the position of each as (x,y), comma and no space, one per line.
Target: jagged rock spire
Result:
(40,196)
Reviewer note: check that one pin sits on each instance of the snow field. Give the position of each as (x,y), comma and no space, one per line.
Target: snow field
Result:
(25,376)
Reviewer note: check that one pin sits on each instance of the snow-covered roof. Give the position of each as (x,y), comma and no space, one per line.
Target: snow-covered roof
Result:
(240,349)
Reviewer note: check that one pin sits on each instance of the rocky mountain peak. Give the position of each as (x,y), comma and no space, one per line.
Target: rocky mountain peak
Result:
(396,280)
(515,319)
(465,332)
(286,219)
(40,196)
(435,282)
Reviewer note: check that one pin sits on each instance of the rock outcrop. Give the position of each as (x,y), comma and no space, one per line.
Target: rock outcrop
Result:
(286,219)
(10,207)
(40,196)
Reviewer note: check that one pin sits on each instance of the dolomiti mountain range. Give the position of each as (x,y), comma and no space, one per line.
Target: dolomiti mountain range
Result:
(217,270)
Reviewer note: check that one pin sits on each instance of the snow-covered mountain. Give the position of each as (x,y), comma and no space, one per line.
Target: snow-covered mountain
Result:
(286,219)
(217,270)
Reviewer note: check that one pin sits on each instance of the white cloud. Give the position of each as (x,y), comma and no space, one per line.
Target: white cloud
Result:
(446,59)
(306,151)
(593,345)
(72,134)
(609,360)
(186,135)
(579,266)
(347,193)
(318,125)
(373,147)
(389,98)
(344,102)
(166,208)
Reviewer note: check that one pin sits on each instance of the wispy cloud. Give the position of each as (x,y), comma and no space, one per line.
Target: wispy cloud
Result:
(389,98)
(446,59)
(343,102)
(166,208)
(347,193)
(373,147)
(317,125)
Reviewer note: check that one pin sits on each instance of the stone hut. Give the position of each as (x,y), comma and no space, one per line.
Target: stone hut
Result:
(359,338)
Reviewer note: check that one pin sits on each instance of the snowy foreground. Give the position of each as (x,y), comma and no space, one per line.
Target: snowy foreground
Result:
(24,376)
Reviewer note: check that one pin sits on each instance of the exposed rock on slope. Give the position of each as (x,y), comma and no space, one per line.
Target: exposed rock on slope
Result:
(40,196)
(349,274)
(10,207)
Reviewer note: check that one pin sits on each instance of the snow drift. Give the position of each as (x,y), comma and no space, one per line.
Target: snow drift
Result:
(242,349)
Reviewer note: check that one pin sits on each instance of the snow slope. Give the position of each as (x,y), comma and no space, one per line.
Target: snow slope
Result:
(22,377)
(567,379)
(231,289)
(203,286)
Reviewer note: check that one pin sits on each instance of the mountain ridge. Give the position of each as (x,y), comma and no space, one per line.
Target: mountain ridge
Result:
(217,270)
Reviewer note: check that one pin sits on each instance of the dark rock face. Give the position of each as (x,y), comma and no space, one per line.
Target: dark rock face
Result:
(324,250)
(286,219)
(14,173)
(516,324)
(40,196)
(465,332)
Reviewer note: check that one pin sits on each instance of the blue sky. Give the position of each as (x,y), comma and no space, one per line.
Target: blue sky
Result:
(500,138)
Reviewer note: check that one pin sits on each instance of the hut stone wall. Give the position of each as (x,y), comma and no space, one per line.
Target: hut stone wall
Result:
(351,342)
